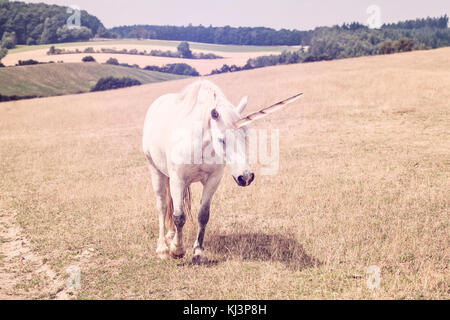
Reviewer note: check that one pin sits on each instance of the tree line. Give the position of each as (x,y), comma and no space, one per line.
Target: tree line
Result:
(422,30)
(219,35)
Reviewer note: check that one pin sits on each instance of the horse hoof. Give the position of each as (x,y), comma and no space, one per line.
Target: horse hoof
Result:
(199,259)
(199,256)
(163,256)
(177,252)
(163,253)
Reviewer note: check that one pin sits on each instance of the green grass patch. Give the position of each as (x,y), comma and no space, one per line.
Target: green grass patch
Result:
(68,78)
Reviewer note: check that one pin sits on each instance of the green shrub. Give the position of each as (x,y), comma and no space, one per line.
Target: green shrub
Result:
(175,68)
(108,83)
(27,62)
(113,61)
(88,59)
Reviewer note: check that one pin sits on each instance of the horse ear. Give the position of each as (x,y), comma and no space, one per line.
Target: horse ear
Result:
(242,104)
(214,114)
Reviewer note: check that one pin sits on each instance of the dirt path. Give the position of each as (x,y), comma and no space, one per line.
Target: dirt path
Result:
(23,273)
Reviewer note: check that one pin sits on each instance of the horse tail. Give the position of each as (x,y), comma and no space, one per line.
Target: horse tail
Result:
(169,209)
(187,203)
(169,206)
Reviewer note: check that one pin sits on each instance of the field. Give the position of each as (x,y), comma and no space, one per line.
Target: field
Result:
(67,78)
(363,181)
(237,55)
(161,43)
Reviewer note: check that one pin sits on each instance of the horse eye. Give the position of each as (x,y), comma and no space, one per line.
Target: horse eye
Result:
(214,114)
(222,141)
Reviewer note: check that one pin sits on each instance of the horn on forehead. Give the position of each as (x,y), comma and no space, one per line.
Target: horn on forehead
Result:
(265,111)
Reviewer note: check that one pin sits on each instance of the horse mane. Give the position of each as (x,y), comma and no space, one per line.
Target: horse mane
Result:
(200,97)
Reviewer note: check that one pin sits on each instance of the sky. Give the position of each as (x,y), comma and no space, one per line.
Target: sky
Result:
(288,14)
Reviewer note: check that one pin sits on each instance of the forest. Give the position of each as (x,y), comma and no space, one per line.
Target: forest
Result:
(431,32)
(39,23)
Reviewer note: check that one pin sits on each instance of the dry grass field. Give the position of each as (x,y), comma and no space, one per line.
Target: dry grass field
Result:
(363,180)
(238,56)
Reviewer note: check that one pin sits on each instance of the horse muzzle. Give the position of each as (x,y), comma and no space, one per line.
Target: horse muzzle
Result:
(245,180)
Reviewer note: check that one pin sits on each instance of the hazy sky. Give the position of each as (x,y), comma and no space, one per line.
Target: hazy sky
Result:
(289,14)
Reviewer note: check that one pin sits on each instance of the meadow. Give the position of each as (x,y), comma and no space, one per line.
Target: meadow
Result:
(363,181)
(68,78)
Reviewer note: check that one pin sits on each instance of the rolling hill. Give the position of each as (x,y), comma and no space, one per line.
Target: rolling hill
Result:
(363,181)
(67,78)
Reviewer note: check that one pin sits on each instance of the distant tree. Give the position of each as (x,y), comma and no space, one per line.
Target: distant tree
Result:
(64,34)
(9,40)
(49,33)
(102,32)
(386,47)
(113,61)
(52,50)
(88,59)
(404,44)
(184,50)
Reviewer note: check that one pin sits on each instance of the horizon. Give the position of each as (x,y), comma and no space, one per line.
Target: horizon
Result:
(304,15)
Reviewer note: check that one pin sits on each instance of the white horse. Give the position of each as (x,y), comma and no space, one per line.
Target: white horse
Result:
(189,137)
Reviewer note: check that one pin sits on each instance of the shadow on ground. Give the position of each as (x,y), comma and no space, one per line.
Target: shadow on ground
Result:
(261,247)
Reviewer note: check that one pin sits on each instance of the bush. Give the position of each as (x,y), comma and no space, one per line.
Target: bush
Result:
(181,69)
(27,62)
(109,83)
(401,45)
(113,61)
(52,50)
(175,68)
(88,59)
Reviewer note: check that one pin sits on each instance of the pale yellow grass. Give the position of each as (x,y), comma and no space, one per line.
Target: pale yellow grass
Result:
(203,66)
(363,180)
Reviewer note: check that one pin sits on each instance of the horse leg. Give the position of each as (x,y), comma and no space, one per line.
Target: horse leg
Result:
(177,189)
(209,188)
(170,224)
(160,183)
